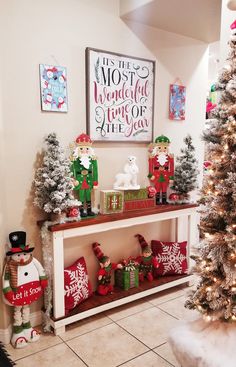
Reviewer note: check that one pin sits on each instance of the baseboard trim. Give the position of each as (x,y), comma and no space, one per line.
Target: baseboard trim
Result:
(35,319)
(5,335)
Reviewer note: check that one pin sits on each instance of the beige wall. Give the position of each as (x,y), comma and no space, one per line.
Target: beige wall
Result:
(4,316)
(58,31)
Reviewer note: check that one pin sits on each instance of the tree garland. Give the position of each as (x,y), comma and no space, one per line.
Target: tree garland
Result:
(46,238)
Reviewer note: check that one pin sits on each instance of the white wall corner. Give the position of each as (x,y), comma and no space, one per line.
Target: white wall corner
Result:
(127,6)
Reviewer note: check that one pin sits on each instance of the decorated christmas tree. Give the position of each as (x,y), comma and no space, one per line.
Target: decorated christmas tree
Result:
(53,182)
(215,296)
(186,170)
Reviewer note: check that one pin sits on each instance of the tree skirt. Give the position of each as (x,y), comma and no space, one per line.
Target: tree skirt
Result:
(204,344)
(5,360)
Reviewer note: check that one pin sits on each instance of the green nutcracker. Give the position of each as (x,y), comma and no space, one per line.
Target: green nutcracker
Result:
(85,173)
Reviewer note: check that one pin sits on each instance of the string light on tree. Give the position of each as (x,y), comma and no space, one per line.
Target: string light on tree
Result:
(215,296)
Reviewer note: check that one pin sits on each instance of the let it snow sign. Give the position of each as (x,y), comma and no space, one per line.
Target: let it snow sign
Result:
(120,94)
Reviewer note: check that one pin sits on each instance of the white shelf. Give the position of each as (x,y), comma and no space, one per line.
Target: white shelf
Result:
(184,217)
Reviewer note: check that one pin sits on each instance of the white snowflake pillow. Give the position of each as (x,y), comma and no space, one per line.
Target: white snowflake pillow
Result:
(172,257)
(77,286)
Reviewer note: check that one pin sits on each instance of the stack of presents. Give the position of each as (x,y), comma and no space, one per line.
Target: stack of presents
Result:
(117,201)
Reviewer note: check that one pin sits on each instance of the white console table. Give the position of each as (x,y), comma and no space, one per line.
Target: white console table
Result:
(184,217)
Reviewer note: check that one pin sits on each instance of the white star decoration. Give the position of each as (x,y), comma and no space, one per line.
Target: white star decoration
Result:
(14,238)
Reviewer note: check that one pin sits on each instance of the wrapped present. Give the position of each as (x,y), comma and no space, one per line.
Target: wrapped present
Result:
(111,201)
(139,204)
(128,277)
(139,194)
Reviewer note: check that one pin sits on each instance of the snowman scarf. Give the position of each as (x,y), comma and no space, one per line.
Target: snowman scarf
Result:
(11,271)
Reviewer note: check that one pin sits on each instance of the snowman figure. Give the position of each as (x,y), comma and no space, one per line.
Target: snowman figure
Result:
(62,78)
(51,72)
(24,280)
(48,100)
(61,103)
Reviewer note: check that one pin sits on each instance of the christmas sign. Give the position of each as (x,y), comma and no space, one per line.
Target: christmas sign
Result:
(177,102)
(120,93)
(26,294)
(53,82)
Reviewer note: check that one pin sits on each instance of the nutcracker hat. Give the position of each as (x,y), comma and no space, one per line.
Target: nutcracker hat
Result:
(83,139)
(18,243)
(144,245)
(162,139)
(98,253)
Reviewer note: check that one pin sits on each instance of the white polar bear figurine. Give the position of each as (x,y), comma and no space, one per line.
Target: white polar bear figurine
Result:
(128,179)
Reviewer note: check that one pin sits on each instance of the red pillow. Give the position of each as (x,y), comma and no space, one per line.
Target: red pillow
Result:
(172,257)
(77,286)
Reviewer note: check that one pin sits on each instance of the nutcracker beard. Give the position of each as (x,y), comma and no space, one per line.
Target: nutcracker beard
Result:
(162,158)
(85,160)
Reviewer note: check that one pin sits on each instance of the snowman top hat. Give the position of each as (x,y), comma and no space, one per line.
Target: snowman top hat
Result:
(18,243)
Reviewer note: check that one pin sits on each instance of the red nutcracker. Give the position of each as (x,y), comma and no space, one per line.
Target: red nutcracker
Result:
(146,261)
(105,272)
(161,167)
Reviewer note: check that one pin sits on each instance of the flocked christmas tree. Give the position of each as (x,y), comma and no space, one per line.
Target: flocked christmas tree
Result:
(215,296)
(53,182)
(186,170)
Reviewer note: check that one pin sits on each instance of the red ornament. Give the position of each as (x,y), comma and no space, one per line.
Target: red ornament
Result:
(210,106)
(73,212)
(207,166)
(174,196)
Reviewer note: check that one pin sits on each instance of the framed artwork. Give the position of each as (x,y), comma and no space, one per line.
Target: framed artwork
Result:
(120,96)
(177,102)
(53,83)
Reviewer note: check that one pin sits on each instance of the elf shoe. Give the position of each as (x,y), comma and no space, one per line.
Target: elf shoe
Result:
(18,340)
(90,213)
(102,290)
(110,288)
(83,214)
(31,334)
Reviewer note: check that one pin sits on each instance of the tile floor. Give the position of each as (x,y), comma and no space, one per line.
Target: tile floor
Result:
(133,335)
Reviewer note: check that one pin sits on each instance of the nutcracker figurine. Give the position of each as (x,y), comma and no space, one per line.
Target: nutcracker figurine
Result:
(161,167)
(85,173)
(146,261)
(105,271)
(24,280)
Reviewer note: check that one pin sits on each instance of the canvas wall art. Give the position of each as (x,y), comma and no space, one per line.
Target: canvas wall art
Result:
(120,94)
(53,82)
(177,102)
